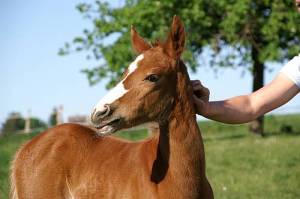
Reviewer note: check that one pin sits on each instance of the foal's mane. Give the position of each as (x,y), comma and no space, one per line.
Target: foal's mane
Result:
(157,43)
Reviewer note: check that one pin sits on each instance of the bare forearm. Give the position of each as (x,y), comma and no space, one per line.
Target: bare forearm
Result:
(235,110)
(246,108)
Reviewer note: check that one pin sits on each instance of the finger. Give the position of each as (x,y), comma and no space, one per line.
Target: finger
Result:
(196,82)
(198,87)
(202,94)
(198,104)
(201,90)
(198,101)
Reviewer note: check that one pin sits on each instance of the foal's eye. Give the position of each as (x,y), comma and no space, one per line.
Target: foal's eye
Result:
(152,78)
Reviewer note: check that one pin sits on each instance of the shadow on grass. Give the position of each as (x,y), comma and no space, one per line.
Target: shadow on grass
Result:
(277,133)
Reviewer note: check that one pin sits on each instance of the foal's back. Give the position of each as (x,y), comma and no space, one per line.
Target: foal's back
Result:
(82,164)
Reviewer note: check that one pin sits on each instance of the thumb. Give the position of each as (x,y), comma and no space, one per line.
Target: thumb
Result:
(199,103)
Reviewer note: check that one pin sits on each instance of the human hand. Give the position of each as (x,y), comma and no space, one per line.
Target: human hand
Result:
(200,97)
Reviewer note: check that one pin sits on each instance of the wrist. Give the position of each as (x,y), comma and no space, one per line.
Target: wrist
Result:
(205,111)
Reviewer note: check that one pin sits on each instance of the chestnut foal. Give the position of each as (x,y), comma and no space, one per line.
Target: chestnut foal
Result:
(71,161)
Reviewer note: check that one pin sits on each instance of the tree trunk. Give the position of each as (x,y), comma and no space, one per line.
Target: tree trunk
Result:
(257,126)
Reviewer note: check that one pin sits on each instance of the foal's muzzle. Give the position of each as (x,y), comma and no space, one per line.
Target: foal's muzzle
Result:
(98,115)
(104,120)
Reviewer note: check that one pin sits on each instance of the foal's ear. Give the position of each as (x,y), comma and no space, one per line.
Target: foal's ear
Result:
(137,42)
(175,42)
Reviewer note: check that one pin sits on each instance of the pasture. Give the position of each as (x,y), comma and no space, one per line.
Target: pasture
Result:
(239,164)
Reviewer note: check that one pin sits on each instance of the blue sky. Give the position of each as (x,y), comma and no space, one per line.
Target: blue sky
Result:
(33,76)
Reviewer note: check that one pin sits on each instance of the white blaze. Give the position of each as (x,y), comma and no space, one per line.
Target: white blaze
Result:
(119,90)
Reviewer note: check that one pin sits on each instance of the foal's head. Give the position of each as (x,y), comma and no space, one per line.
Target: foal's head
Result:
(148,89)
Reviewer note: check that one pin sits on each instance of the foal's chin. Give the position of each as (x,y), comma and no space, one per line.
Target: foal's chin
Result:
(106,130)
(108,127)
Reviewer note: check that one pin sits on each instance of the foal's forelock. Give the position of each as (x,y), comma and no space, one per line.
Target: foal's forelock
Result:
(119,90)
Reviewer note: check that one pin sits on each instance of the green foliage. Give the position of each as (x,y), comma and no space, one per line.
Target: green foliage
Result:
(53,117)
(52,120)
(225,30)
(13,123)
(37,123)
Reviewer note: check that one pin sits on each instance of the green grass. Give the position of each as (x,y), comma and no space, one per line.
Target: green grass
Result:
(8,146)
(239,165)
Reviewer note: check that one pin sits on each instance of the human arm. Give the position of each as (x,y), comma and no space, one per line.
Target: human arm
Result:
(245,108)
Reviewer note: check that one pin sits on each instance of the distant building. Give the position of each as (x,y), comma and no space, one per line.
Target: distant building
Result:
(27,128)
(59,112)
(81,119)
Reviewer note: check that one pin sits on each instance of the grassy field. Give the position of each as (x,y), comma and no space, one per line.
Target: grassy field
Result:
(239,165)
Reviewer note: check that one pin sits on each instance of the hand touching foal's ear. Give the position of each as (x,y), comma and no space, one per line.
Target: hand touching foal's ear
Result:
(200,97)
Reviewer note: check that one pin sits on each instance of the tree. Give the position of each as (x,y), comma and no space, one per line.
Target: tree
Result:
(15,122)
(234,33)
(37,123)
(53,117)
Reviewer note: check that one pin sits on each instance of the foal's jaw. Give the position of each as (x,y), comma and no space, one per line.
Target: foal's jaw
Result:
(109,127)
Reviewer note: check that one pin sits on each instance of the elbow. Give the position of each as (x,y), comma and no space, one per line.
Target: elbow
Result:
(252,115)
(253,110)
(247,111)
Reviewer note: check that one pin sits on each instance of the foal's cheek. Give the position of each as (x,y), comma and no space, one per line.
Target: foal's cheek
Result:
(151,100)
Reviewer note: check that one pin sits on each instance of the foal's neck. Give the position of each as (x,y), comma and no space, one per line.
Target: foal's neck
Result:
(180,142)
(184,135)
(182,121)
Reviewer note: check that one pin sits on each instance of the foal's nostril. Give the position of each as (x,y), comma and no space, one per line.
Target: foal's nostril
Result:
(100,114)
